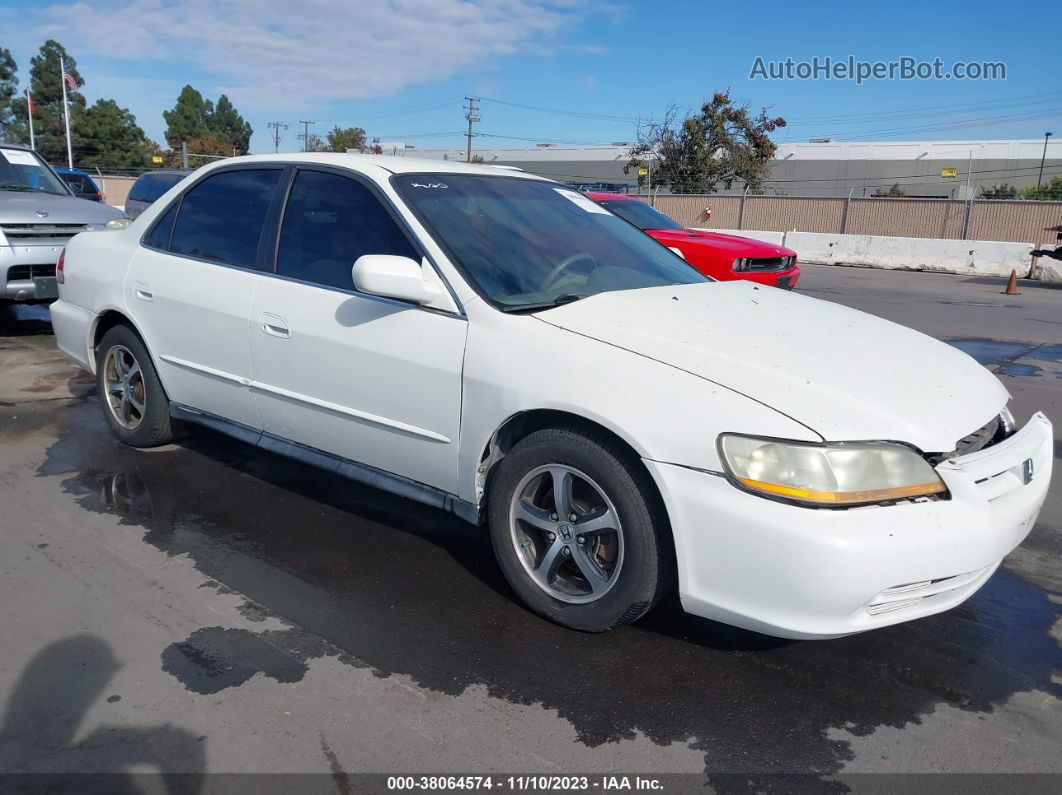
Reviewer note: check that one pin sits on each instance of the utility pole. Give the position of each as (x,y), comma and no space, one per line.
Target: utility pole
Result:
(306,134)
(184,154)
(1043,157)
(277,126)
(472,116)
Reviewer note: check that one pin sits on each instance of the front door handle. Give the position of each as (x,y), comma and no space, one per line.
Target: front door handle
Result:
(275,325)
(143,292)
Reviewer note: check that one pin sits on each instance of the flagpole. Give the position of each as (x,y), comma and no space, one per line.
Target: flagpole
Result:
(29,115)
(66,115)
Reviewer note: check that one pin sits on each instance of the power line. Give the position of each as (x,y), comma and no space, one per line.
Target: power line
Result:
(305,136)
(277,126)
(472,116)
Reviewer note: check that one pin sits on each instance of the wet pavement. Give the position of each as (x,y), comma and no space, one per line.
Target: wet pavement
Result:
(247,590)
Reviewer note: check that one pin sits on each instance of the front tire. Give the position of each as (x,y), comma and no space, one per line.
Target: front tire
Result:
(578,529)
(131,395)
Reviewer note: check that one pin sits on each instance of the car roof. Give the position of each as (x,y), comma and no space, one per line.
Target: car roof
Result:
(600,197)
(77,171)
(7,145)
(184,172)
(382,164)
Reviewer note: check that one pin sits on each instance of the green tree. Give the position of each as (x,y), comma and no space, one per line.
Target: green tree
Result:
(894,191)
(46,83)
(721,144)
(226,124)
(1051,192)
(190,117)
(119,144)
(341,140)
(8,91)
(1001,191)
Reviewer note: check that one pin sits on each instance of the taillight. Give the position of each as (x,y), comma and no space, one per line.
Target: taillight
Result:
(99,196)
(59,267)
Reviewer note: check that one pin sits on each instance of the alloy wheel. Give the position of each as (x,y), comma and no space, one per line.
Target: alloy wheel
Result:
(125,392)
(567,533)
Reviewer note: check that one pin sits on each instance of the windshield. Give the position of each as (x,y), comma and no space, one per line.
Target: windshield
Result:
(526,243)
(22,170)
(640,214)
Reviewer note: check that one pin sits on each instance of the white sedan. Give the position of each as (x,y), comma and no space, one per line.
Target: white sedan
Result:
(499,346)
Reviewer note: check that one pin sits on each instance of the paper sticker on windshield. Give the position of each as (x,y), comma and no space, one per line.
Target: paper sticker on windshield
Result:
(581,201)
(19,157)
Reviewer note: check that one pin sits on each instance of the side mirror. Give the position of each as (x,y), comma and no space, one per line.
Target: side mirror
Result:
(397,277)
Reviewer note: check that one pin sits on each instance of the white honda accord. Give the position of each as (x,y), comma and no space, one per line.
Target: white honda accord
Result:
(495,344)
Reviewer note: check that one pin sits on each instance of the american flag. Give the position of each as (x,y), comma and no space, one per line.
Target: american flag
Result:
(70,81)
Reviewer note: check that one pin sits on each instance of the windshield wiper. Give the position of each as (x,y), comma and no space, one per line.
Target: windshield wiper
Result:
(560,300)
(9,186)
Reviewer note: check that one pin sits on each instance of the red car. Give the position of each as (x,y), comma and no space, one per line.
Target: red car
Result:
(715,255)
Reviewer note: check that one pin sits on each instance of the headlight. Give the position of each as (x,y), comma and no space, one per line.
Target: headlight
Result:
(741,264)
(119,223)
(1006,419)
(838,473)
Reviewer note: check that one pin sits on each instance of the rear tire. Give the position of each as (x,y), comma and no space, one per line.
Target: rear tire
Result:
(605,568)
(132,398)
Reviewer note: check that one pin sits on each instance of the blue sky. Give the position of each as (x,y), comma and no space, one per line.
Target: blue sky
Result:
(400,69)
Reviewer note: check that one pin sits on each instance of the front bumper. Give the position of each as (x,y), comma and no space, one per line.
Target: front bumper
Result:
(786,279)
(810,573)
(27,272)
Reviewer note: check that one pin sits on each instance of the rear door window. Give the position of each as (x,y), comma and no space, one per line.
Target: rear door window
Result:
(221,218)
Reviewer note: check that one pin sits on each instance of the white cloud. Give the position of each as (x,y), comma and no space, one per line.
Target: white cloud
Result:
(290,53)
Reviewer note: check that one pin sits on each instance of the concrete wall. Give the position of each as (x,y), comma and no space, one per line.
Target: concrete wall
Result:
(115,189)
(978,257)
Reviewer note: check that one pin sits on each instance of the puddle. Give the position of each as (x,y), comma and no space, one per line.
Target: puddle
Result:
(401,588)
(991,352)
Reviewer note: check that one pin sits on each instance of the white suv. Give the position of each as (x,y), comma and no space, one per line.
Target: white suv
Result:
(499,346)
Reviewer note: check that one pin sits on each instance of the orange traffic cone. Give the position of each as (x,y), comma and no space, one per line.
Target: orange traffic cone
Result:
(1012,284)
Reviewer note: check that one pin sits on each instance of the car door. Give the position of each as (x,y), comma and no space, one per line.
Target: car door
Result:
(369,379)
(190,285)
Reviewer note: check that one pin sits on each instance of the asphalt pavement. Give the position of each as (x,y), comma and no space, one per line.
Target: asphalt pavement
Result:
(210,608)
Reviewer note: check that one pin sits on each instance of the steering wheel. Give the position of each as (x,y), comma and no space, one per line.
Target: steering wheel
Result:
(565,264)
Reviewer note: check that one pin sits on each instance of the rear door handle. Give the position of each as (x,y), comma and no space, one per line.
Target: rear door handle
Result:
(275,325)
(143,292)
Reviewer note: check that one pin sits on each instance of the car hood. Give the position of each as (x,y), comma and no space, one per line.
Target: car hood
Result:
(22,208)
(738,246)
(844,374)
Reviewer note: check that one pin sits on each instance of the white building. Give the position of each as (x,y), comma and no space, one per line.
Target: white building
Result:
(949,169)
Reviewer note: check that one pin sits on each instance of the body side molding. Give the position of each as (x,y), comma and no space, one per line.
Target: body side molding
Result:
(362,473)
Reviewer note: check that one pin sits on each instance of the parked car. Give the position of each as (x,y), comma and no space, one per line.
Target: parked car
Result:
(81,184)
(149,187)
(719,256)
(502,347)
(38,215)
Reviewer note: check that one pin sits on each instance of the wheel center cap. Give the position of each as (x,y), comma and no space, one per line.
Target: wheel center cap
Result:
(567,532)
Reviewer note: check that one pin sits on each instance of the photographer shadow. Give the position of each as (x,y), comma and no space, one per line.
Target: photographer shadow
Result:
(48,705)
